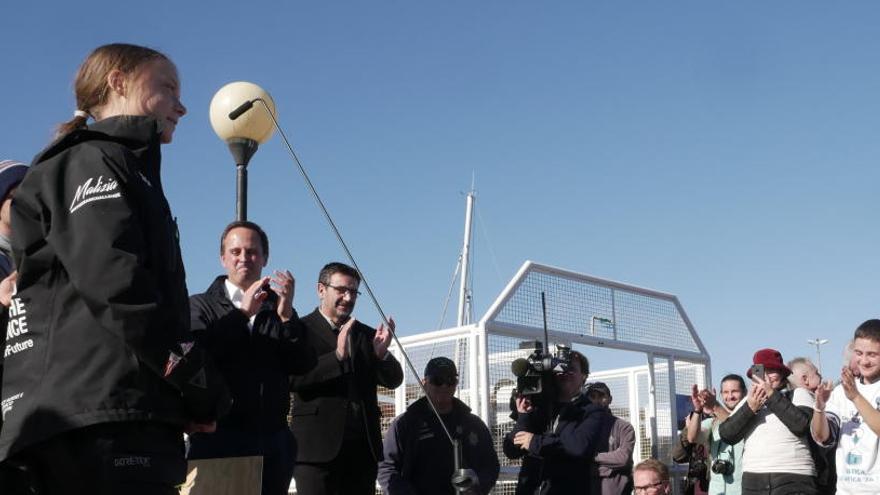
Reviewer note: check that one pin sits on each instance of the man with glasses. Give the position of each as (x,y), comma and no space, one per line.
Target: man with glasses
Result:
(335,407)
(418,454)
(651,477)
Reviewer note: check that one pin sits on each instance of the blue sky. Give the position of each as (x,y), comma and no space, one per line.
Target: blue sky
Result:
(725,152)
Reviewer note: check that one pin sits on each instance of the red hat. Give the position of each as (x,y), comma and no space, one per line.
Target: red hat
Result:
(772,361)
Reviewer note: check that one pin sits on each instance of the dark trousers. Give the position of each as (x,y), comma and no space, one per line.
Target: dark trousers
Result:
(277,448)
(352,472)
(131,458)
(778,484)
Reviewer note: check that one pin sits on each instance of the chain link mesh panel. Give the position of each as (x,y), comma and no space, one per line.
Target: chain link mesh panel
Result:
(663,401)
(456,349)
(587,308)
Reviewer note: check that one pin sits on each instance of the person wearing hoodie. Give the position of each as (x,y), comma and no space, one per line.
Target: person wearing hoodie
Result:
(418,453)
(101,376)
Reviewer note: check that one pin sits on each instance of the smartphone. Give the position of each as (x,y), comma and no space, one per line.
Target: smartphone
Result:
(758,370)
(262,290)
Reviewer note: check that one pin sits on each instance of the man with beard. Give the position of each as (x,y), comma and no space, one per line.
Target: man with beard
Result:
(335,406)
(725,459)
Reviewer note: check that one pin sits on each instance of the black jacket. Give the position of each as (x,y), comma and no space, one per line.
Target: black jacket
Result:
(101,300)
(419,457)
(561,462)
(741,423)
(255,364)
(323,396)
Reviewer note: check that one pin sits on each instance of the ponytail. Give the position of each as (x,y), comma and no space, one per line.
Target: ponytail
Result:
(77,122)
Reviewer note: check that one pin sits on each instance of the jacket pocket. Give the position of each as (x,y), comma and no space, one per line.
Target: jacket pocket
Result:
(304,410)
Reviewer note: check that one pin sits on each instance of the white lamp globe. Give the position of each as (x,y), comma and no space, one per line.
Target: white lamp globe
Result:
(253,124)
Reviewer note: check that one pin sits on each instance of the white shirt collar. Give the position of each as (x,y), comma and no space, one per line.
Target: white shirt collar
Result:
(234,293)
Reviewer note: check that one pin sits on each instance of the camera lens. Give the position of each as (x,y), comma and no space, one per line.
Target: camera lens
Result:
(720,466)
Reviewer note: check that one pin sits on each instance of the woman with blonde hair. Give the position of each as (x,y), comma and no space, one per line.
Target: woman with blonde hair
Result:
(100,378)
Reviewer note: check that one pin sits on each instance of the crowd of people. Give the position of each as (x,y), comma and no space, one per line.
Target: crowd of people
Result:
(788,431)
(108,361)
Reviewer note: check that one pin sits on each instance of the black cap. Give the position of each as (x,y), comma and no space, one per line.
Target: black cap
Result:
(440,366)
(599,387)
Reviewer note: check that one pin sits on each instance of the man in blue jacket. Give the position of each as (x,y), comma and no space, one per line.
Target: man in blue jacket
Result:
(418,453)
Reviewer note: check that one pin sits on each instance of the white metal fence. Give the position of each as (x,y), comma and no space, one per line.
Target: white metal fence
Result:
(581,311)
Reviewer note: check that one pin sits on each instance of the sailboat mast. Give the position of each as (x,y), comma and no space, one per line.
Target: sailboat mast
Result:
(464,313)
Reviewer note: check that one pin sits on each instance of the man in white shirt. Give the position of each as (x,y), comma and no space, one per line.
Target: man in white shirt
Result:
(247,323)
(847,416)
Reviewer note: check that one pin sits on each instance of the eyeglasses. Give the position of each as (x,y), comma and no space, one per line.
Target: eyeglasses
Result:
(648,488)
(343,290)
(439,381)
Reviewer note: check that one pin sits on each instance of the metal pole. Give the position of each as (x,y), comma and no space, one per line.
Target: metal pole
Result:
(241,192)
(242,150)
(463,303)
(818,343)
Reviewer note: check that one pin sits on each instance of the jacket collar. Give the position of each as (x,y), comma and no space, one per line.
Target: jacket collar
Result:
(135,130)
(140,134)
(323,327)
(421,406)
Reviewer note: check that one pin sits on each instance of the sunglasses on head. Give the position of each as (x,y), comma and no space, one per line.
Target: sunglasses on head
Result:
(438,381)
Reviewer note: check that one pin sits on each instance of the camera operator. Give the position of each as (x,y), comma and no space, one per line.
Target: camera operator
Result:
(725,459)
(774,423)
(559,436)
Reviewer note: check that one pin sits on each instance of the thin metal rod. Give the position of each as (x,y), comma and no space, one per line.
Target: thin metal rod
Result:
(350,257)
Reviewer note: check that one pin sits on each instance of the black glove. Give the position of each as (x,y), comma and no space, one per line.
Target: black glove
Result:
(204,392)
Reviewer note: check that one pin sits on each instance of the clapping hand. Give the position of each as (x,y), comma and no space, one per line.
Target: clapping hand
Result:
(284,285)
(848,380)
(383,338)
(823,393)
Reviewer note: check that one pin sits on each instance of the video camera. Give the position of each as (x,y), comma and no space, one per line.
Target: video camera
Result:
(535,374)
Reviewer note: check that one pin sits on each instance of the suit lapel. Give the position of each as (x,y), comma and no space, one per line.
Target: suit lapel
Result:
(321,328)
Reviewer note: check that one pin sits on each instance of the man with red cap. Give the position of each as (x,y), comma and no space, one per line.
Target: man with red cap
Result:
(774,422)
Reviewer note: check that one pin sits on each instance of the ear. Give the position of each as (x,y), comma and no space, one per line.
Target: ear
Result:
(320,287)
(116,81)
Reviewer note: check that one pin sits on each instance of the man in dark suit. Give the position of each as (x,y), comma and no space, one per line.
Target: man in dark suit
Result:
(335,408)
(247,323)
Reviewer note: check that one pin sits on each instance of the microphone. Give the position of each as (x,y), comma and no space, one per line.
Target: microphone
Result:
(520,366)
(244,107)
